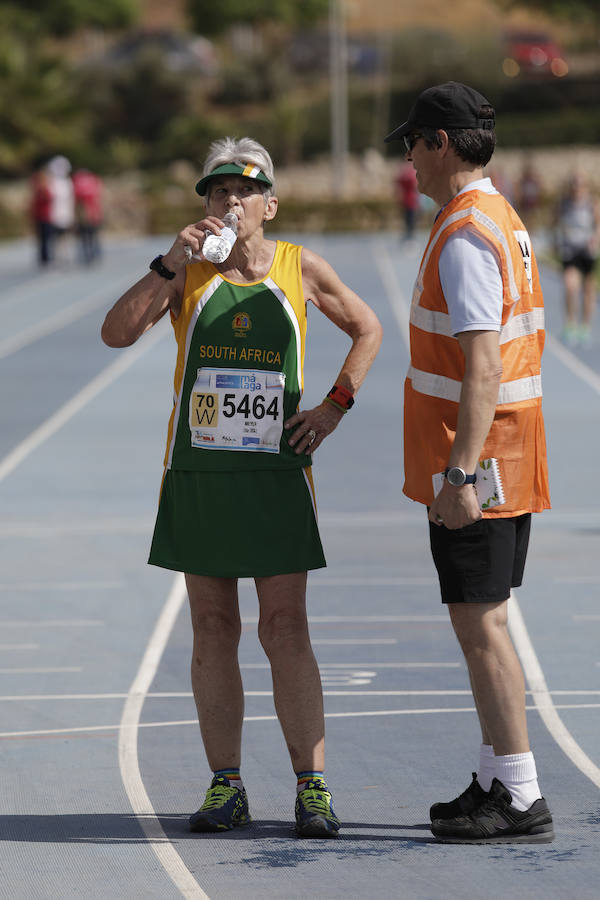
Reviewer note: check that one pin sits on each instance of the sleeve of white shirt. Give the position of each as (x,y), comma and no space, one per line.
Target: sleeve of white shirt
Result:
(472,282)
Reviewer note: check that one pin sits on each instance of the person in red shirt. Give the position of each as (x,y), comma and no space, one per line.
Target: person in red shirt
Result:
(88,213)
(41,214)
(407,195)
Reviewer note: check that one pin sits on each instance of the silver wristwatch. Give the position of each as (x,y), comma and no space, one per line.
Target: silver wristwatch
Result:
(457,476)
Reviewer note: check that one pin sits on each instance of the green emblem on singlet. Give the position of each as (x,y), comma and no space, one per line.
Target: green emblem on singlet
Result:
(241,324)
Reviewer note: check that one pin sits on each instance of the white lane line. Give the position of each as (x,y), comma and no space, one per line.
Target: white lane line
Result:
(320,620)
(61,318)
(113,371)
(339,642)
(577,579)
(13,296)
(67,529)
(158,834)
(40,670)
(60,585)
(163,849)
(187,695)
(130,525)
(370,665)
(383,618)
(50,623)
(395,295)
(19,646)
(542,697)
(368,519)
(572,362)
(371,581)
(590,618)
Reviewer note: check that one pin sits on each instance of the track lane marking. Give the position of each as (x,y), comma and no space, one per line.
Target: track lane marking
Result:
(50,623)
(542,697)
(61,318)
(19,646)
(39,670)
(80,400)
(188,695)
(147,813)
(129,726)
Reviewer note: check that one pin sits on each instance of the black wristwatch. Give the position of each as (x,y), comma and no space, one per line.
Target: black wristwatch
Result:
(157,266)
(457,476)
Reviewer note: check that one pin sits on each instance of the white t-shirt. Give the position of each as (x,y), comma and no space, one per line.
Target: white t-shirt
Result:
(470,276)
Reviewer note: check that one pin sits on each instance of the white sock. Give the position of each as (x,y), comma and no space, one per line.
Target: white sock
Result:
(487,766)
(233,776)
(237,783)
(518,774)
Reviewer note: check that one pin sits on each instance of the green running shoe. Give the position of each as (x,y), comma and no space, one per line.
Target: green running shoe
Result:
(224,808)
(314,811)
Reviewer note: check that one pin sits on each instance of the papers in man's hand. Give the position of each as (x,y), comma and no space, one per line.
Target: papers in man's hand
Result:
(488,484)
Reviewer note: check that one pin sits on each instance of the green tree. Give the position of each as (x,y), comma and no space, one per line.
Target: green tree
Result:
(137,103)
(43,108)
(63,17)
(39,109)
(215,18)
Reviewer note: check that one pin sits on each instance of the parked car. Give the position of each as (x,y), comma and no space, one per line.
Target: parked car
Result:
(533,53)
(179,52)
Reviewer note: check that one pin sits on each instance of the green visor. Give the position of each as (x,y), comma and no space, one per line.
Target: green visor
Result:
(248,171)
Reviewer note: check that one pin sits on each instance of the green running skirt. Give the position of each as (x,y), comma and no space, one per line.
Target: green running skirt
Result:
(237,524)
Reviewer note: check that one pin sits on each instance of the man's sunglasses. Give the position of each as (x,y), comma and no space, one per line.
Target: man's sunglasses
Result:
(411,139)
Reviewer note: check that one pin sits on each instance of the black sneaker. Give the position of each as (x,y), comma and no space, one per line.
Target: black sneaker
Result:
(496,821)
(460,806)
(224,808)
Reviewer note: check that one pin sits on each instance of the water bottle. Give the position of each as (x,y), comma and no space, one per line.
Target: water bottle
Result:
(217,247)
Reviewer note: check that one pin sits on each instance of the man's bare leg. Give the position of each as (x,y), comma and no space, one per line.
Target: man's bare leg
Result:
(495,672)
(216,679)
(283,633)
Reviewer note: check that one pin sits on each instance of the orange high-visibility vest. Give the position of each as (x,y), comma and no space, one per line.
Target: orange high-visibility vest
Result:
(433,383)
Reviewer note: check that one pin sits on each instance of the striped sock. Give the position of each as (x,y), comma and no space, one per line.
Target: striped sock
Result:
(305,777)
(233,774)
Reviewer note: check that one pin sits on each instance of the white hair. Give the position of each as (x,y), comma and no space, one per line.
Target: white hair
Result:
(241,152)
(59,166)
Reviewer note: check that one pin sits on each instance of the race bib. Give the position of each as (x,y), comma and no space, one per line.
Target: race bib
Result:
(237,409)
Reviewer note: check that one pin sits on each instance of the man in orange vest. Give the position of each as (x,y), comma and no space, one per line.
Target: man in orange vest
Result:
(475,451)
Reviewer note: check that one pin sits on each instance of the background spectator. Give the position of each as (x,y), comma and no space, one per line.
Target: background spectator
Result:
(41,203)
(88,213)
(577,234)
(529,195)
(62,202)
(407,195)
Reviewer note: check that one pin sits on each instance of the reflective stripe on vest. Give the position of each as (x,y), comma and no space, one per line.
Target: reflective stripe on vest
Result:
(436,322)
(488,223)
(517,391)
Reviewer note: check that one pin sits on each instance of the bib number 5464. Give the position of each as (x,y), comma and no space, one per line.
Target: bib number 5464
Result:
(254,409)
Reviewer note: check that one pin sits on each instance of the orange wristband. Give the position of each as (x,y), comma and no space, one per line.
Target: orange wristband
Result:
(341,397)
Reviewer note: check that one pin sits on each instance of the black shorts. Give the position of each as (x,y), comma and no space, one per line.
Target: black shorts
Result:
(582,260)
(482,562)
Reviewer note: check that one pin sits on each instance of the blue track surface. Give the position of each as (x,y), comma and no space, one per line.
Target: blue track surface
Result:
(101,754)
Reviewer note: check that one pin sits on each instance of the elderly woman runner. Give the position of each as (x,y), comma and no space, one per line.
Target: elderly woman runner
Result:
(237,497)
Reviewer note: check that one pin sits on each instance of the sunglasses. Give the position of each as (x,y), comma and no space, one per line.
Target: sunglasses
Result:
(411,139)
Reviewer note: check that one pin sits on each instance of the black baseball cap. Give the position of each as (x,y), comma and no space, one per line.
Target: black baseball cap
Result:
(450,105)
